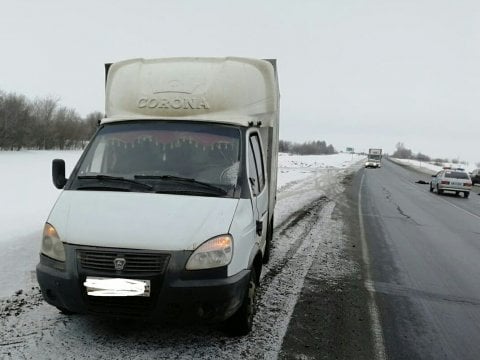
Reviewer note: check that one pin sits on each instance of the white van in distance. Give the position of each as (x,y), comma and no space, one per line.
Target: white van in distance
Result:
(169,211)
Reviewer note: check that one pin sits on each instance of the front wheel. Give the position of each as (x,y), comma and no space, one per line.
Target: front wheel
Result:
(431,187)
(241,322)
(466,194)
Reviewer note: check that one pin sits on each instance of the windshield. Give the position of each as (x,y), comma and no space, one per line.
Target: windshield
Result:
(456,175)
(168,156)
(374,157)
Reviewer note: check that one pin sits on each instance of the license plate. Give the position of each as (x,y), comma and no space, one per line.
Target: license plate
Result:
(98,286)
(457,184)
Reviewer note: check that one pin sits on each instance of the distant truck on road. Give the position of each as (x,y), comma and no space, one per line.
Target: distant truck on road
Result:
(374,158)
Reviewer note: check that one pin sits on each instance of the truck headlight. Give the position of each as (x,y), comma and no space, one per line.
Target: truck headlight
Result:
(212,253)
(51,244)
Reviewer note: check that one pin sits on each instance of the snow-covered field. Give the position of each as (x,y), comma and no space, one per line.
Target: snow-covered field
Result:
(26,190)
(297,167)
(27,193)
(309,187)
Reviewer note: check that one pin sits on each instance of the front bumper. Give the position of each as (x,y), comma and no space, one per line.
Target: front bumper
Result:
(176,294)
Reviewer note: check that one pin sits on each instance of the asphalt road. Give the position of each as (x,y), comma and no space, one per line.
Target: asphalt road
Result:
(424,254)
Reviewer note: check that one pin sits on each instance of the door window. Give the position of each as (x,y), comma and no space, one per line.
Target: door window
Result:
(257,153)
(252,171)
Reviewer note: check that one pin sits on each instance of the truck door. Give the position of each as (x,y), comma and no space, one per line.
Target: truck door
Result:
(257,180)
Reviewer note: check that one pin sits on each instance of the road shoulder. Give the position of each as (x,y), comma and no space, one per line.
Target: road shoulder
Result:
(331,318)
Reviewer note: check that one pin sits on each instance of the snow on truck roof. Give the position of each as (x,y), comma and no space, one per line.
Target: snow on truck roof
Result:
(228,90)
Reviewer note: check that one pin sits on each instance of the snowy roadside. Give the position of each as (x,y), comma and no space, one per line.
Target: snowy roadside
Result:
(308,189)
(428,168)
(292,168)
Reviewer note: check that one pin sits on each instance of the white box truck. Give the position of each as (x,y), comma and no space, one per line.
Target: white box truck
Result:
(169,211)
(374,158)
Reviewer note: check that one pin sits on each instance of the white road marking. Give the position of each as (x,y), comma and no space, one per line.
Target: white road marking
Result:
(377,332)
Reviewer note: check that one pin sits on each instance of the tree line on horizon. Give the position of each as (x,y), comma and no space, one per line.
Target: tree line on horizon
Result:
(306,148)
(42,124)
(402,152)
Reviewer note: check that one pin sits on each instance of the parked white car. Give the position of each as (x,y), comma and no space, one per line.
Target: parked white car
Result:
(451,180)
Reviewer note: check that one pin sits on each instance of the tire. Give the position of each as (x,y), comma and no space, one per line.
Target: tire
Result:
(466,194)
(457,193)
(431,187)
(241,322)
(268,245)
(439,192)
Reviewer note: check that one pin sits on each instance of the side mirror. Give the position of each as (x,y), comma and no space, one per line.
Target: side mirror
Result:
(58,173)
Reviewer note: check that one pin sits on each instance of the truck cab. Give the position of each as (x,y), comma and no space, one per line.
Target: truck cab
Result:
(374,158)
(169,211)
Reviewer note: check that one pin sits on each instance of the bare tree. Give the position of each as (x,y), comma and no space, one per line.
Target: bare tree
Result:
(15,117)
(91,123)
(43,112)
(306,148)
(42,124)
(402,152)
(284,146)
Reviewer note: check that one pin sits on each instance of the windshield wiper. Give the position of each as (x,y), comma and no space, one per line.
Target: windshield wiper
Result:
(115,178)
(102,188)
(182,179)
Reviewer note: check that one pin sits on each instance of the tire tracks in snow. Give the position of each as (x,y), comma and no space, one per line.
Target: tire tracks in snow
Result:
(299,216)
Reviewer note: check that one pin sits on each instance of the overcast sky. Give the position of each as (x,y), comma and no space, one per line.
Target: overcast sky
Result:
(360,73)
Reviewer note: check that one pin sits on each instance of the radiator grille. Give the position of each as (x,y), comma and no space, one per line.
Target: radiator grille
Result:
(104,261)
